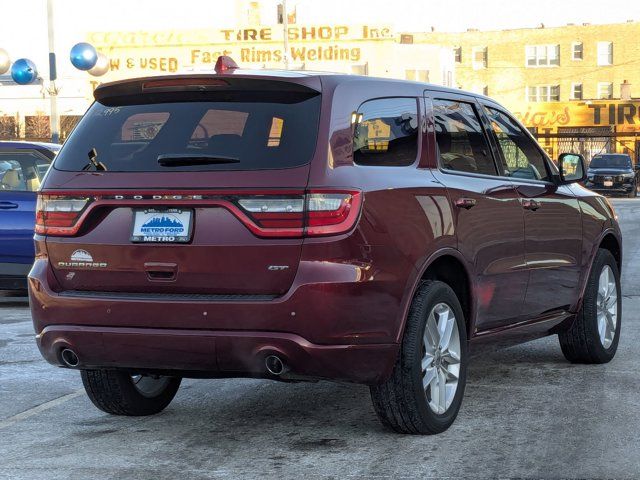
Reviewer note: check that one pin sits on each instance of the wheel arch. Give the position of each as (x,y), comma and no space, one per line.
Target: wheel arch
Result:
(450,267)
(609,240)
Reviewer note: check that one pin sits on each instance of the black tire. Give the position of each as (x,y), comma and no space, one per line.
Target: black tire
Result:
(115,392)
(581,343)
(634,192)
(401,402)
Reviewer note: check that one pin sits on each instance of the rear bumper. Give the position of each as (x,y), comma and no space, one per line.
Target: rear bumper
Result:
(335,323)
(203,353)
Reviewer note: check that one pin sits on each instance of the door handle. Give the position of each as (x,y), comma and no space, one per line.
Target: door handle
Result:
(8,205)
(529,204)
(466,203)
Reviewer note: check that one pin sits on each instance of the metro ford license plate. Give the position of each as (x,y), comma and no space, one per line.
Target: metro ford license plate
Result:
(608,183)
(171,225)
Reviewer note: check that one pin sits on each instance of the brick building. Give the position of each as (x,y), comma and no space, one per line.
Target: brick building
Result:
(577,87)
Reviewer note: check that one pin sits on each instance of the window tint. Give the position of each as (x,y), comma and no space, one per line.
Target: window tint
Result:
(21,172)
(521,157)
(260,130)
(220,122)
(461,141)
(386,132)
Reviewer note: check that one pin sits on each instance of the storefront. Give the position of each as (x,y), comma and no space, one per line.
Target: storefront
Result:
(589,127)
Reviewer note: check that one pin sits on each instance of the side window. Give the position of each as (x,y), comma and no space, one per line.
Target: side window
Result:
(20,172)
(461,142)
(386,132)
(521,157)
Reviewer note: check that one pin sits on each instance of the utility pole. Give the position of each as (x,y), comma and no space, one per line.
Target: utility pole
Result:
(285,28)
(53,91)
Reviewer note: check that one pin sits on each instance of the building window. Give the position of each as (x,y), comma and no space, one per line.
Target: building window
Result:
(479,55)
(457,53)
(542,55)
(406,38)
(605,90)
(577,51)
(576,91)
(417,75)
(605,53)
(543,93)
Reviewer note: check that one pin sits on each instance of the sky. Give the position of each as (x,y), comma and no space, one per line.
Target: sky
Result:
(23,32)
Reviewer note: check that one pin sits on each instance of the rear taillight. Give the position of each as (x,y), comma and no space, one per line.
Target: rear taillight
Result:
(274,215)
(315,214)
(59,215)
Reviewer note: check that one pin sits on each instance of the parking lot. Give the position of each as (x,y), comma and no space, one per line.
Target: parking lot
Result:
(527,413)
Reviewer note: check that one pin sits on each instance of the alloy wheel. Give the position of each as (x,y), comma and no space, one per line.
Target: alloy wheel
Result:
(607,306)
(441,358)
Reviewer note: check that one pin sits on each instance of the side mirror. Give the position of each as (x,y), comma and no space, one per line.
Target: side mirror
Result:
(572,168)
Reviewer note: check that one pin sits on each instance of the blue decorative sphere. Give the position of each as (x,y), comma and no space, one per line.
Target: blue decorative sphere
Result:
(83,56)
(23,71)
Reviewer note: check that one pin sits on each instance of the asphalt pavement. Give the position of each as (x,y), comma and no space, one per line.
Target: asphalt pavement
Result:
(527,413)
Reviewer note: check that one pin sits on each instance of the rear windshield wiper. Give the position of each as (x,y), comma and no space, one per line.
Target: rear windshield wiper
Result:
(180,159)
(93,161)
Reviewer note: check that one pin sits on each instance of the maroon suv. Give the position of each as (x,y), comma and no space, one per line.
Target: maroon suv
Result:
(298,226)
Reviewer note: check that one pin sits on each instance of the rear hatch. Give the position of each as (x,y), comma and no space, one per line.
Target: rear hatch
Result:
(184,185)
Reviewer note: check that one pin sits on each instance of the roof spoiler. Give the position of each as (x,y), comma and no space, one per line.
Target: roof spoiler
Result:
(228,78)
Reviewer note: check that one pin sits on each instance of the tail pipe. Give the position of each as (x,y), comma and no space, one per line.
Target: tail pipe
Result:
(275,365)
(69,358)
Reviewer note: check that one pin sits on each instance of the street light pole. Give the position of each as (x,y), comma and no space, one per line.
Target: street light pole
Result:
(53,91)
(285,28)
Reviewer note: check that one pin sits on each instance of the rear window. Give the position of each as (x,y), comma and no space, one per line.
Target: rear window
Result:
(264,133)
(611,161)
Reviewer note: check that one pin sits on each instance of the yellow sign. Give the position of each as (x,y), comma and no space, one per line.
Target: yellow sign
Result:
(624,115)
(148,52)
(295,33)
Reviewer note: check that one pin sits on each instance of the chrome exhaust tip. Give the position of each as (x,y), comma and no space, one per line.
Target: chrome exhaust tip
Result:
(69,358)
(275,365)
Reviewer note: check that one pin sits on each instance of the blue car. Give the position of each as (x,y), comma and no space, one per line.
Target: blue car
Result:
(22,167)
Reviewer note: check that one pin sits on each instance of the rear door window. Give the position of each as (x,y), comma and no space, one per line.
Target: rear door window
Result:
(462,144)
(386,132)
(265,133)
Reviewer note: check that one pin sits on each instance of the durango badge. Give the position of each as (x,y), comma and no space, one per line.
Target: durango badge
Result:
(82,258)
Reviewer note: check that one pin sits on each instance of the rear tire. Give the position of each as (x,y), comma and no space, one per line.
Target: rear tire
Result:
(594,334)
(120,393)
(403,403)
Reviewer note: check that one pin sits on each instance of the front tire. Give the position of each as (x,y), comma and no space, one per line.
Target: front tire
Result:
(120,393)
(594,334)
(425,390)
